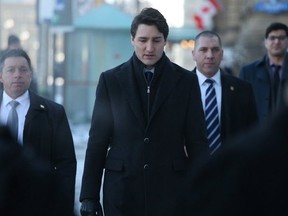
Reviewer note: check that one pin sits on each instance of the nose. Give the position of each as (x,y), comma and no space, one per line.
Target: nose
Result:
(149,46)
(209,53)
(17,73)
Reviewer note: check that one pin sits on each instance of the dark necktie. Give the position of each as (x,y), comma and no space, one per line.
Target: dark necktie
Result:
(212,117)
(276,80)
(148,75)
(12,121)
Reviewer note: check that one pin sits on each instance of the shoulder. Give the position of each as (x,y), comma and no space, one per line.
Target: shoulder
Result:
(45,103)
(125,66)
(235,81)
(182,71)
(254,65)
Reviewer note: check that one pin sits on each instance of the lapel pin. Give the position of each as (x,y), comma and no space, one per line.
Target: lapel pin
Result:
(42,106)
(232,88)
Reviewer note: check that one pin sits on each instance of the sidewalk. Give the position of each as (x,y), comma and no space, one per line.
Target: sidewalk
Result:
(80,137)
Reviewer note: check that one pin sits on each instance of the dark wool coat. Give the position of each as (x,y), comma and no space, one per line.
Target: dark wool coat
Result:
(144,158)
(257,73)
(248,177)
(48,135)
(238,106)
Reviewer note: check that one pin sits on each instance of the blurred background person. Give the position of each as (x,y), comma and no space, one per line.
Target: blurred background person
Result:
(15,43)
(27,185)
(268,74)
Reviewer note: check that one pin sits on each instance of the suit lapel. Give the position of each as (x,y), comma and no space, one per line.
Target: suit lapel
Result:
(284,77)
(36,105)
(130,90)
(227,98)
(169,79)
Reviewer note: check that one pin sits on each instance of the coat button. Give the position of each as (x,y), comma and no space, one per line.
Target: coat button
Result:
(146,140)
(146,166)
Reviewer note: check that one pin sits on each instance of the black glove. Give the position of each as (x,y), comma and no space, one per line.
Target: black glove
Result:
(91,208)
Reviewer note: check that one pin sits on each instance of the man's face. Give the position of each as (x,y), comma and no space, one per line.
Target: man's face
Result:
(208,55)
(148,44)
(276,43)
(16,76)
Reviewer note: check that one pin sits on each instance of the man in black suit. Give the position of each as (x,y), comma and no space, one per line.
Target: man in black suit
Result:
(266,80)
(42,125)
(235,100)
(249,177)
(139,129)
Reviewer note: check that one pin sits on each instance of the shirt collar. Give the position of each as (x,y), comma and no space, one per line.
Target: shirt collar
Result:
(271,64)
(202,78)
(21,99)
(152,69)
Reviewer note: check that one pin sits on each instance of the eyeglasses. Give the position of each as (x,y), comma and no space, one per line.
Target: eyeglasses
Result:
(280,38)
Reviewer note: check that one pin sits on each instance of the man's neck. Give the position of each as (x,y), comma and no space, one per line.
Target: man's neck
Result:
(277,60)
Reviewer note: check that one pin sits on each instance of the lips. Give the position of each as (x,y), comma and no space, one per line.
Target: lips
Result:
(17,83)
(209,64)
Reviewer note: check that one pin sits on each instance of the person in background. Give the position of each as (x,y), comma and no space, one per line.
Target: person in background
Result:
(233,108)
(143,119)
(14,42)
(268,74)
(249,176)
(35,122)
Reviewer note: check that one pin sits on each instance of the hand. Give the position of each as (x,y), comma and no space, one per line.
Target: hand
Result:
(91,208)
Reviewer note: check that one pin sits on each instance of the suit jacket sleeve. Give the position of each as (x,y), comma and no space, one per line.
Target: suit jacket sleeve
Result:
(99,136)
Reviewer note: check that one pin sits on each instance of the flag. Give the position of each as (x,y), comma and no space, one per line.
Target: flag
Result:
(204,13)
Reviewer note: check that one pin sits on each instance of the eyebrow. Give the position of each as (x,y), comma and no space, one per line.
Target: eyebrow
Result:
(144,37)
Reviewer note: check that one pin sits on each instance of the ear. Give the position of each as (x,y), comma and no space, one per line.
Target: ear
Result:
(193,54)
(265,43)
(132,40)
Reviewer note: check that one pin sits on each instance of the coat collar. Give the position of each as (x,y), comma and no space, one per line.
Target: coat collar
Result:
(169,78)
(37,104)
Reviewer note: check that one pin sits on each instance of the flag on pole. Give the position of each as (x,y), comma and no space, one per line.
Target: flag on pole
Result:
(204,13)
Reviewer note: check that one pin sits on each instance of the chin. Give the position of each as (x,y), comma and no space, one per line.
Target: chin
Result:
(150,63)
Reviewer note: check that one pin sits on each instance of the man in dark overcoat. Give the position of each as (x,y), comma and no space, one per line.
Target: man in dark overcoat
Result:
(42,125)
(144,126)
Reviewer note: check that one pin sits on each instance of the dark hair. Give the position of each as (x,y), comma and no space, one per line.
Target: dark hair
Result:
(207,34)
(12,39)
(150,16)
(14,53)
(276,26)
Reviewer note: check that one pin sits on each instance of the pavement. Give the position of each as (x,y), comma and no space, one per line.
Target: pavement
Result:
(80,137)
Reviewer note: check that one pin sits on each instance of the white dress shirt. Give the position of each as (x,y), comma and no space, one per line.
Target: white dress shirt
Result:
(217,85)
(22,109)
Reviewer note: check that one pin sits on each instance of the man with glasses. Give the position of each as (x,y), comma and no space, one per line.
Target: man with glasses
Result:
(268,74)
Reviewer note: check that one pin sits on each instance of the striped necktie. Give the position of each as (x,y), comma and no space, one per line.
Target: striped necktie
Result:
(212,117)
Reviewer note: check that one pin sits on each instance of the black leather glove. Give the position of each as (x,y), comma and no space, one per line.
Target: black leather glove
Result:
(91,208)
